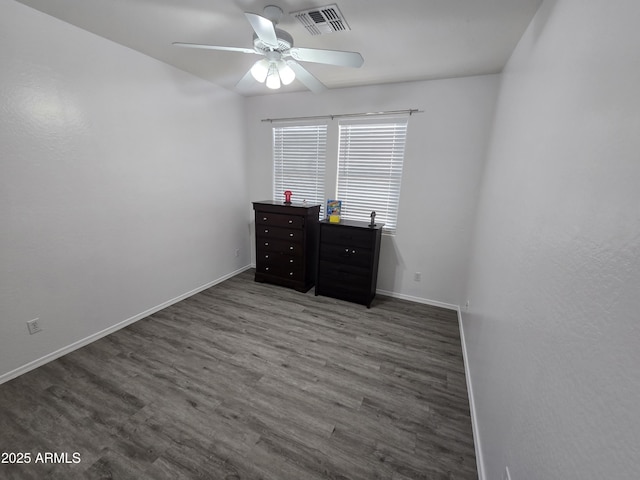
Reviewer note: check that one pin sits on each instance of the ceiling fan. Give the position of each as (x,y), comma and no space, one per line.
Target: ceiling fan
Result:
(280,63)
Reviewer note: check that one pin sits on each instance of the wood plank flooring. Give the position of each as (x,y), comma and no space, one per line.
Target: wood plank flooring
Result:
(252,381)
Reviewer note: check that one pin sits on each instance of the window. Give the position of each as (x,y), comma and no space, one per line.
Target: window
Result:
(370,160)
(299,162)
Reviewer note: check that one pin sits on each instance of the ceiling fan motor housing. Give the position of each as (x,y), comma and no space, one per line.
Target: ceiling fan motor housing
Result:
(285,42)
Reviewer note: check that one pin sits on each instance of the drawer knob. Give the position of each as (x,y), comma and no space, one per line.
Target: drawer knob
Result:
(291,234)
(266,256)
(291,274)
(266,269)
(291,247)
(290,221)
(266,230)
(266,244)
(291,260)
(346,250)
(264,219)
(353,251)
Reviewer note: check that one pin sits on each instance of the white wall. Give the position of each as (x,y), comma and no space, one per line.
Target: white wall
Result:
(552,334)
(121,185)
(444,158)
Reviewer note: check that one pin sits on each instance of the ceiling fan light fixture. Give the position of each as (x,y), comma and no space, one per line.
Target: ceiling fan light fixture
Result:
(280,63)
(260,70)
(273,79)
(287,75)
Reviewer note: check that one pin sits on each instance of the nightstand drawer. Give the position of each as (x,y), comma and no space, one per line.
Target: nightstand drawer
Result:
(344,254)
(345,276)
(352,237)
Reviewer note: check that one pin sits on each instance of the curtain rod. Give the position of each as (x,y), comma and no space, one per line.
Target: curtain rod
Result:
(410,111)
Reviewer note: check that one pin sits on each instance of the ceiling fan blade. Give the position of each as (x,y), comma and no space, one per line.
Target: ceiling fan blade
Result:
(264,29)
(330,57)
(305,77)
(214,47)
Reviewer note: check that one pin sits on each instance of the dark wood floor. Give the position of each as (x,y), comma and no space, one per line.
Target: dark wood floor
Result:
(252,381)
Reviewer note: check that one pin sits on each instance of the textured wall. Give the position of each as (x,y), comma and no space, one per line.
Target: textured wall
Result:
(121,184)
(553,333)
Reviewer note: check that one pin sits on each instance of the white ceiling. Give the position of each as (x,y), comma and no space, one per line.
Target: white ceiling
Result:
(400,40)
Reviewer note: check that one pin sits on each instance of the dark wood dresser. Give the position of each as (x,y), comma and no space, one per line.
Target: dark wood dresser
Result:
(348,260)
(286,243)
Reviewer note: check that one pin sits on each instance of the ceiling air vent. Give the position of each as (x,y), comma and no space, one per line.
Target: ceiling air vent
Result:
(322,20)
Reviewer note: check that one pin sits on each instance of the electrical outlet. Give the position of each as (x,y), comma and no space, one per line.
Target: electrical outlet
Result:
(506,475)
(237,252)
(417,277)
(466,305)
(34,326)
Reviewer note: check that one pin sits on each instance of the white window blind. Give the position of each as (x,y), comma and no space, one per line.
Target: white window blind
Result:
(299,162)
(370,161)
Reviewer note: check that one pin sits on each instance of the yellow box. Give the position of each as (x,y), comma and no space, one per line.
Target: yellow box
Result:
(334,218)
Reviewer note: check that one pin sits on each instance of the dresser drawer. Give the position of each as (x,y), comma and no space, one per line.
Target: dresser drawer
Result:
(278,220)
(267,258)
(357,256)
(281,271)
(268,231)
(277,246)
(352,237)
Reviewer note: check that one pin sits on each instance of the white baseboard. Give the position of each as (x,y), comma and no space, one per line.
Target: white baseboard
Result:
(472,404)
(425,301)
(103,333)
